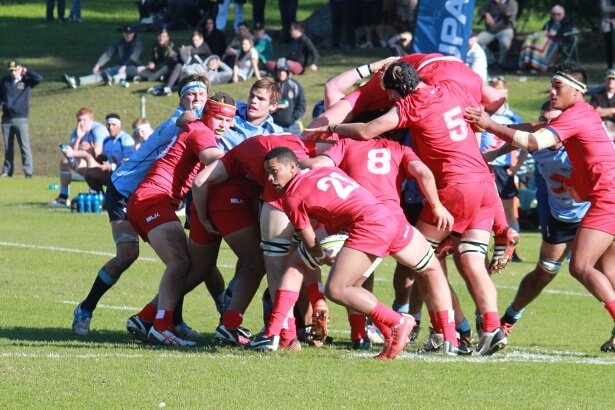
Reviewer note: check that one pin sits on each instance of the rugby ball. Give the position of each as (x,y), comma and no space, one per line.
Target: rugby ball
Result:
(333,243)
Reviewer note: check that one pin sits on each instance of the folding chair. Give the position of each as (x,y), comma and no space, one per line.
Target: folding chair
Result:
(570,45)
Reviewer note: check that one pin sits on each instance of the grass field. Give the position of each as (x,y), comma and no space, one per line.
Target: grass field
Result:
(49,258)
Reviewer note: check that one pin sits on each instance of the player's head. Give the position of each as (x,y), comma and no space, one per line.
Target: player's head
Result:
(401,78)
(113,124)
(281,165)
(263,99)
(85,118)
(192,92)
(548,113)
(568,85)
(141,129)
(219,112)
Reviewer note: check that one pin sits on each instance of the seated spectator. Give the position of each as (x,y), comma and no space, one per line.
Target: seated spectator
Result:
(128,51)
(539,49)
(191,59)
(214,38)
(500,17)
(117,148)
(401,43)
(476,58)
(149,8)
(292,104)
(86,140)
(300,50)
(162,60)
(141,131)
(217,71)
(234,48)
(246,63)
(263,44)
(604,101)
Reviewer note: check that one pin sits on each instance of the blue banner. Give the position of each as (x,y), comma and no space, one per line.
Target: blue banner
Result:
(444,26)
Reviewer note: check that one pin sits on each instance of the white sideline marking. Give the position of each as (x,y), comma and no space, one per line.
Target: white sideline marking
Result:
(100,305)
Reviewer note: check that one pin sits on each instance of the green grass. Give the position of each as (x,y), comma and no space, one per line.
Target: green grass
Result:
(49,258)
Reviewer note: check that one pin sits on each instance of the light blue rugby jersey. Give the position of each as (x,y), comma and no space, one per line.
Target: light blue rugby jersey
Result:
(562,206)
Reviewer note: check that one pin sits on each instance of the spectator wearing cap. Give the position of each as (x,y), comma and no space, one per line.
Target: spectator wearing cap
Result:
(604,101)
(128,51)
(15,90)
(300,51)
(116,148)
(263,44)
(292,104)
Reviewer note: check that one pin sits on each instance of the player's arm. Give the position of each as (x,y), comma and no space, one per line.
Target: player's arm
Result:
(215,173)
(310,250)
(531,141)
(317,162)
(364,131)
(514,170)
(427,182)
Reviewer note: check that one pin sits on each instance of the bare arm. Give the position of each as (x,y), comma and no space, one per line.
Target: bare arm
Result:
(317,162)
(364,131)
(427,182)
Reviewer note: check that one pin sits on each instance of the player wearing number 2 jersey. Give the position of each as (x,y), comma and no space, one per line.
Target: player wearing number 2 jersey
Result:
(448,147)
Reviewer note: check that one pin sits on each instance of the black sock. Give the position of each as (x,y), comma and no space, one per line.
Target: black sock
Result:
(178,312)
(99,288)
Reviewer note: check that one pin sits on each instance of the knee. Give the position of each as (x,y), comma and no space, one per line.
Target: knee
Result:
(333,293)
(578,270)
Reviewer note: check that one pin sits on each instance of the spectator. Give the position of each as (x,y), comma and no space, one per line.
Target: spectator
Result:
(292,101)
(15,101)
(288,14)
(300,50)
(163,58)
(230,54)
(342,15)
(217,71)
(223,9)
(401,43)
(246,63)
(128,50)
(214,38)
(258,11)
(604,101)
(116,149)
(371,12)
(539,49)
(86,140)
(191,62)
(61,10)
(607,14)
(75,12)
(476,58)
(141,130)
(263,44)
(500,17)
(147,8)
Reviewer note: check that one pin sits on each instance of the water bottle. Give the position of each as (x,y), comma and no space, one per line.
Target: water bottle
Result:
(88,202)
(101,199)
(81,203)
(95,203)
(54,187)
(63,147)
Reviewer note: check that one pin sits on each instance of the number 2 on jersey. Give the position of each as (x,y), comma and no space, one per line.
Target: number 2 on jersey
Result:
(342,185)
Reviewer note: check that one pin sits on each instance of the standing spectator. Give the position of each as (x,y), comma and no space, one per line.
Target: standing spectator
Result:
(75,12)
(192,60)
(292,101)
(539,49)
(607,14)
(500,18)
(342,15)
(141,131)
(214,38)
(86,140)
(288,14)
(61,10)
(371,12)
(246,63)
(263,44)
(15,100)
(223,9)
(300,50)
(476,58)
(258,11)
(163,58)
(116,149)
(127,49)
(604,101)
